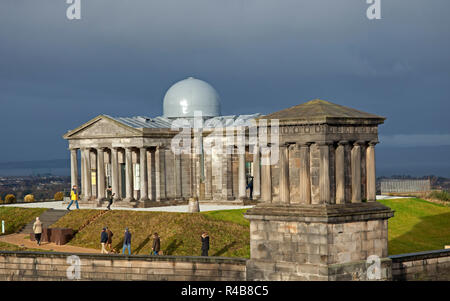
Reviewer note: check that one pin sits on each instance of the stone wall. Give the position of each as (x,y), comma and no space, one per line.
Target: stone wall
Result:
(54,266)
(429,265)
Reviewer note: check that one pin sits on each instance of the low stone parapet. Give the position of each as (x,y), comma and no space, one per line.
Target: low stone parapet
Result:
(61,266)
(428,265)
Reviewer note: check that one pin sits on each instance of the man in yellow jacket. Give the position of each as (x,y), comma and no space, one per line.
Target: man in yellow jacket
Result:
(73,197)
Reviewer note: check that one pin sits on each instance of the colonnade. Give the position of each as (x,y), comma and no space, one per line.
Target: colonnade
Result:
(332,173)
(329,173)
(148,182)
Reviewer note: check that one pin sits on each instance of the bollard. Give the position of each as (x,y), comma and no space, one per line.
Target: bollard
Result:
(3,227)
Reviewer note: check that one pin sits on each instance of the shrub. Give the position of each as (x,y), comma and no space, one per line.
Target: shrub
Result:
(59,196)
(440,195)
(10,199)
(29,198)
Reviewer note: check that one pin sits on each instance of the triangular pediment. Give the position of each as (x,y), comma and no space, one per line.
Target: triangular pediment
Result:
(102,127)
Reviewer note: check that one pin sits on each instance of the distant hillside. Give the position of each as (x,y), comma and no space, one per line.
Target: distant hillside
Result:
(55,163)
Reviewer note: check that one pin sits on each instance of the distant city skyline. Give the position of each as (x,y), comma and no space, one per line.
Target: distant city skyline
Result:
(261,56)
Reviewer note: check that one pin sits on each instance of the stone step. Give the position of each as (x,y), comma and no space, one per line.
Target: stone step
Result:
(47,218)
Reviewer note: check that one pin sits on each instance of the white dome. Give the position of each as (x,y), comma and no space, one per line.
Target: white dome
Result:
(189,95)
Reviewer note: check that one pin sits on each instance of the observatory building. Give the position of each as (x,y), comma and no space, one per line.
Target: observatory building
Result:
(323,153)
(312,167)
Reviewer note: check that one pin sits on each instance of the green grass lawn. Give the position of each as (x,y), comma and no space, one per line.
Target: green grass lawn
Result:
(76,219)
(417,225)
(180,232)
(234,215)
(15,217)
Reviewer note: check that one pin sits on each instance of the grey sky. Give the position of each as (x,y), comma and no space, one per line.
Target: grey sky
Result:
(261,56)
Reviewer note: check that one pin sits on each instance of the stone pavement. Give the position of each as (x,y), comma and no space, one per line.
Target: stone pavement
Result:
(178,208)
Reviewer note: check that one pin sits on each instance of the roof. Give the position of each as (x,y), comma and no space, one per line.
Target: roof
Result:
(320,109)
(164,122)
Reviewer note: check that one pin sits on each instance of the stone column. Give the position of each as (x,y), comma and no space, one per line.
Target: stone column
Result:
(143,174)
(340,172)
(128,175)
(100,174)
(371,175)
(356,172)
(87,189)
(74,168)
(151,177)
(93,165)
(305,177)
(241,178)
(284,174)
(160,172)
(115,173)
(324,176)
(208,173)
(178,179)
(256,174)
(266,176)
(227,173)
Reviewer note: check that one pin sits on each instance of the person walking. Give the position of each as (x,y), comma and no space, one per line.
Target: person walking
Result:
(37,229)
(127,242)
(104,240)
(250,186)
(205,244)
(109,241)
(109,197)
(156,244)
(73,197)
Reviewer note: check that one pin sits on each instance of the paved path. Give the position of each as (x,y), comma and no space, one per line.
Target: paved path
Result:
(179,208)
(19,240)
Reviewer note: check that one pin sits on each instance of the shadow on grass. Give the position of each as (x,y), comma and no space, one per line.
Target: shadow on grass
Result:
(224,249)
(141,245)
(173,246)
(431,233)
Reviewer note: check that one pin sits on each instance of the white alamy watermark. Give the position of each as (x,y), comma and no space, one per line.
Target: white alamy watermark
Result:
(73,12)
(73,272)
(374,269)
(374,10)
(226,136)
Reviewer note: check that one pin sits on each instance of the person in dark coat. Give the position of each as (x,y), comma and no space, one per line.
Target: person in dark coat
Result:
(205,244)
(104,240)
(109,197)
(156,244)
(110,235)
(127,242)
(250,186)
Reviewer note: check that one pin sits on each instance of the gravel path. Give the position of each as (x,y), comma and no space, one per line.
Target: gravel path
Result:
(20,240)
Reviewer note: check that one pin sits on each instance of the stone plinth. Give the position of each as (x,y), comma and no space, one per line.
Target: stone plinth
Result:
(194,205)
(317,242)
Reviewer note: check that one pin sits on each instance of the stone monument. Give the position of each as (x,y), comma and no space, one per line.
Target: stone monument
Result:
(319,219)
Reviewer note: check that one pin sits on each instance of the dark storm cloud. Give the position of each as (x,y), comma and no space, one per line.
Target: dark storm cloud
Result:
(261,56)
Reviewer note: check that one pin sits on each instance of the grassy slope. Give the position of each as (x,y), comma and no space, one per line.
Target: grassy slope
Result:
(15,218)
(76,218)
(417,225)
(179,232)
